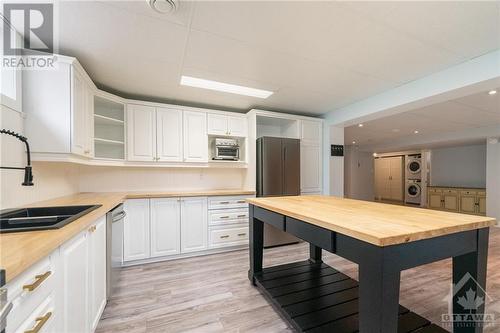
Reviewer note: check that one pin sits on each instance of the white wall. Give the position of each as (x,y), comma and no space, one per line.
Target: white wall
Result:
(493,179)
(110,179)
(51,180)
(463,166)
(358,174)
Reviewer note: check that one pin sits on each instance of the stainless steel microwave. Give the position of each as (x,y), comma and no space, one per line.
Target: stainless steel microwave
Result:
(227,149)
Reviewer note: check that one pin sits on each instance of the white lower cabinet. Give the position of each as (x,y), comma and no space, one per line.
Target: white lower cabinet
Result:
(194,224)
(74,285)
(165,226)
(136,233)
(169,227)
(97,271)
(42,319)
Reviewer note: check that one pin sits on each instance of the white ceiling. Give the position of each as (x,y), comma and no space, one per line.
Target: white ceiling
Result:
(480,110)
(316,56)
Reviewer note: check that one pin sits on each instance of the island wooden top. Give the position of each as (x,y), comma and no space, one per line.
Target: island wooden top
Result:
(20,250)
(376,223)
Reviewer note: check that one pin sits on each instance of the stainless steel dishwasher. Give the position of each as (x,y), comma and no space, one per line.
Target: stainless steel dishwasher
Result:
(114,247)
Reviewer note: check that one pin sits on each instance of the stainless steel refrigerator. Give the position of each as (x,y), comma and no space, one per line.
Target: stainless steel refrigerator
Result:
(278,174)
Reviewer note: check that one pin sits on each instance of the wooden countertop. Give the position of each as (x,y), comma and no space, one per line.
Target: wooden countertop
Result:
(375,223)
(20,250)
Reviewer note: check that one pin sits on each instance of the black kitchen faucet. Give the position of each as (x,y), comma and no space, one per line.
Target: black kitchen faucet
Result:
(28,175)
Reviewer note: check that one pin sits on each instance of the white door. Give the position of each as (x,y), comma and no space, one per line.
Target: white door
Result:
(383,178)
(74,284)
(141,133)
(310,168)
(397,187)
(237,126)
(311,132)
(79,114)
(97,268)
(195,137)
(194,224)
(169,134)
(217,124)
(136,230)
(165,226)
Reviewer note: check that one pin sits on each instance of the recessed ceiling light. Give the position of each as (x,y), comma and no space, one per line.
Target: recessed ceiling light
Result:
(416,132)
(360,125)
(224,87)
(354,142)
(374,154)
(492,92)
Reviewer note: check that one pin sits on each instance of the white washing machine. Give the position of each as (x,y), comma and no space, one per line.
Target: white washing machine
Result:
(413,192)
(414,167)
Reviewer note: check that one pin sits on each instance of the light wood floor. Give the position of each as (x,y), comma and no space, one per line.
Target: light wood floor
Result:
(212,293)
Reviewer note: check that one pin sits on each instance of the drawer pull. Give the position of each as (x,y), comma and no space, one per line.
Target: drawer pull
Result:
(243,234)
(39,279)
(224,217)
(225,236)
(240,201)
(224,202)
(244,215)
(40,321)
(92,228)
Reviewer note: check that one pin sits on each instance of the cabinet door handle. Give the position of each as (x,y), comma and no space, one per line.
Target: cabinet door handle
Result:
(224,217)
(40,321)
(240,201)
(223,202)
(243,215)
(92,228)
(243,234)
(225,236)
(38,281)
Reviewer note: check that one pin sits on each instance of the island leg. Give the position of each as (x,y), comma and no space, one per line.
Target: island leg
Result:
(314,254)
(256,245)
(469,274)
(379,284)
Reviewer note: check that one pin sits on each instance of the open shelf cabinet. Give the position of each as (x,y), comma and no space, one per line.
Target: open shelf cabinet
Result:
(109,129)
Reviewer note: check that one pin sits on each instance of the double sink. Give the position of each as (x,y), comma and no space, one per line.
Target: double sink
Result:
(41,218)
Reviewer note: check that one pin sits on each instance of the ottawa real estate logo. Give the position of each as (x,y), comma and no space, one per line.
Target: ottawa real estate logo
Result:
(471,299)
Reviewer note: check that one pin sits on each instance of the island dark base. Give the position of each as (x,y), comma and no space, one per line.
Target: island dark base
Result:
(313,297)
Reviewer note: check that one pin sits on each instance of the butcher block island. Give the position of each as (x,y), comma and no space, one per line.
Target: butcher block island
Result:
(383,240)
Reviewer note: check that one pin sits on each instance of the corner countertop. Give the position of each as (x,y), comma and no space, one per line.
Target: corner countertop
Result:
(20,250)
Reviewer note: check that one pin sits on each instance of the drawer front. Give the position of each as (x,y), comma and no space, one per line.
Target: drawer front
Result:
(450,191)
(435,190)
(227,216)
(30,289)
(42,319)
(468,192)
(227,202)
(219,237)
(481,193)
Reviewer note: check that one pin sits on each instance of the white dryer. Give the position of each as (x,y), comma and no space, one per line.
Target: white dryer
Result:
(413,192)
(414,167)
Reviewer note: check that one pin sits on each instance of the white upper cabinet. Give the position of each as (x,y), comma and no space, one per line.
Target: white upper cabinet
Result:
(169,135)
(59,109)
(136,234)
(311,132)
(81,115)
(217,124)
(141,133)
(224,125)
(237,126)
(194,226)
(165,226)
(195,137)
